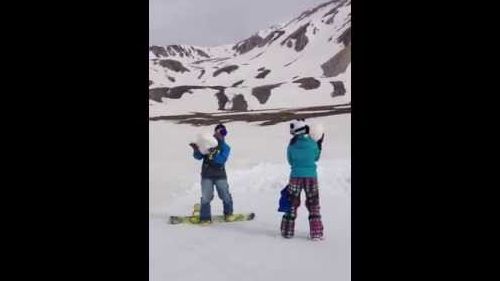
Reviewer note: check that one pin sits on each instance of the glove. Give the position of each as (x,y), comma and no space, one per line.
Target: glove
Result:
(212,152)
(194,146)
(320,141)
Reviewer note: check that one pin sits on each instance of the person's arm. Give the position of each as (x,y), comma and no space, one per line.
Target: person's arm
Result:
(196,152)
(319,147)
(289,155)
(317,153)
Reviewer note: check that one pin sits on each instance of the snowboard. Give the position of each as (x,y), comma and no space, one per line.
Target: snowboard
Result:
(195,217)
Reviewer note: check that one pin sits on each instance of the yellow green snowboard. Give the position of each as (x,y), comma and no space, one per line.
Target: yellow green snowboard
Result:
(195,217)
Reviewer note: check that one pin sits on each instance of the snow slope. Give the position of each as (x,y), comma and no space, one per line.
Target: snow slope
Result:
(257,171)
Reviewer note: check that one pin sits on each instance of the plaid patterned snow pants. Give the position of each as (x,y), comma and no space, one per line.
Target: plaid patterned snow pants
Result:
(310,186)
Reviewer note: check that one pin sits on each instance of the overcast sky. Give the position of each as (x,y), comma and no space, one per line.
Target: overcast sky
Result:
(217,22)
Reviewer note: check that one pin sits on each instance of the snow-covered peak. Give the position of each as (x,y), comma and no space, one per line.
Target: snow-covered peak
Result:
(280,66)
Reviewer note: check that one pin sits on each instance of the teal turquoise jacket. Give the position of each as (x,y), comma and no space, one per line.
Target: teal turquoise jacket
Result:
(303,152)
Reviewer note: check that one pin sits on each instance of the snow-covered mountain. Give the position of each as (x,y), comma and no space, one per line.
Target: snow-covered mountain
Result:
(300,68)
(304,63)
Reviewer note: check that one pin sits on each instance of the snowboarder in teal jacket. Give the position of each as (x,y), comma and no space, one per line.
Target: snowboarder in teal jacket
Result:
(302,154)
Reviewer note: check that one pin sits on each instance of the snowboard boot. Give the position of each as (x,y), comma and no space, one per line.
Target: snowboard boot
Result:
(230,218)
(317,238)
(205,222)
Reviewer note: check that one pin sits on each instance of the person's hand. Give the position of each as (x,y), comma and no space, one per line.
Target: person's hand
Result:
(194,146)
(320,141)
(211,152)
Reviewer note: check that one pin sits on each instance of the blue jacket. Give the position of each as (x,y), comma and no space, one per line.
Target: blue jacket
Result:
(214,163)
(302,154)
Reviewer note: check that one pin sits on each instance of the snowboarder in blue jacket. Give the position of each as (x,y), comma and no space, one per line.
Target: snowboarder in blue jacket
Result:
(213,173)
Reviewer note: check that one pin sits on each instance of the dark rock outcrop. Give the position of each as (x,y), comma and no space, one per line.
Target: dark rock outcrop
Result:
(338,88)
(262,93)
(312,11)
(338,63)
(201,74)
(345,37)
(290,63)
(202,54)
(308,83)
(255,41)
(273,36)
(177,50)
(238,83)
(173,65)
(256,56)
(263,73)
(157,93)
(248,44)
(158,51)
(299,36)
(239,103)
(177,92)
(221,98)
(228,69)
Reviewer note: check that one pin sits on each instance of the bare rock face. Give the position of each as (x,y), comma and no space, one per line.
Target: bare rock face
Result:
(273,36)
(150,82)
(308,83)
(332,12)
(172,79)
(312,11)
(262,93)
(263,73)
(221,98)
(239,103)
(300,38)
(248,44)
(228,69)
(202,54)
(290,64)
(173,65)
(338,63)
(338,88)
(177,51)
(177,92)
(236,84)
(330,15)
(345,37)
(158,51)
(201,74)
(255,41)
(157,93)
(256,56)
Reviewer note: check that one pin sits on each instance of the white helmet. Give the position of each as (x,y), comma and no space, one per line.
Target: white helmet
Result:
(298,126)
